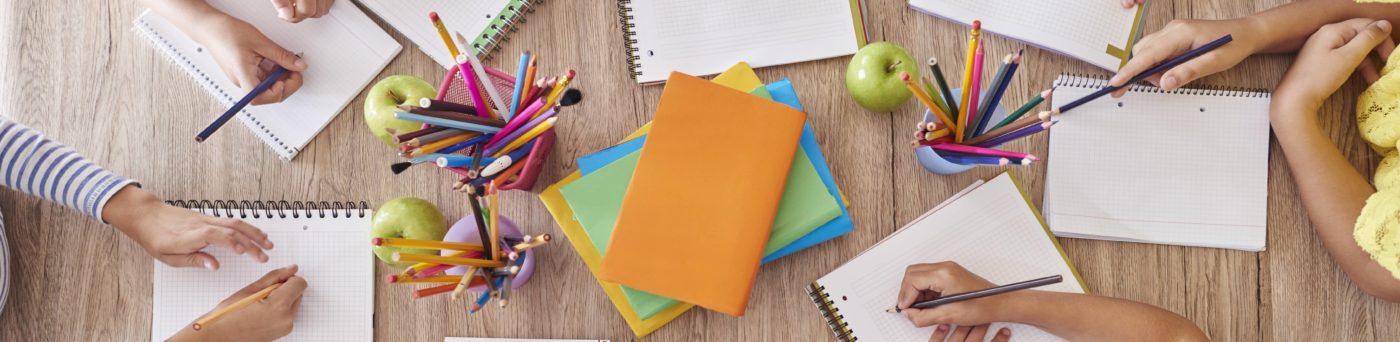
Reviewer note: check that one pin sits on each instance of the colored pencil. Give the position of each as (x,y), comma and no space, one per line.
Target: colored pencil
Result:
(458,160)
(515,122)
(497,104)
(440,144)
(923,97)
(414,257)
(442,32)
(494,201)
(935,134)
(424,244)
(454,116)
(982,151)
(1170,63)
(446,106)
(403,138)
(243,102)
(977,160)
(469,80)
(1017,134)
(954,298)
(554,93)
(464,282)
(1018,124)
(972,43)
(990,103)
(504,162)
(942,83)
(463,145)
(431,138)
(938,99)
(976,90)
(518,132)
(534,132)
(212,317)
(1035,101)
(431,271)
(432,291)
(520,83)
(529,82)
(462,125)
(437,279)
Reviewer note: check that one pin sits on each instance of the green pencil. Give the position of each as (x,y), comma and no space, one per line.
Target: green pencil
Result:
(1035,101)
(938,100)
(951,102)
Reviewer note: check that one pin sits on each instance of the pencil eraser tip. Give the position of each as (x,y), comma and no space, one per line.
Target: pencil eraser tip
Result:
(976,24)
(396,256)
(392,278)
(904,75)
(546,237)
(572,73)
(376,241)
(433,15)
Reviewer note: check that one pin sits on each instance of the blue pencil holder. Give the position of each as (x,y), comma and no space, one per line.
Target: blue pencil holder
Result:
(933,162)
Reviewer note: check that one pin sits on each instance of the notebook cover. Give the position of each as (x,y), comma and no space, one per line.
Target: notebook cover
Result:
(704,195)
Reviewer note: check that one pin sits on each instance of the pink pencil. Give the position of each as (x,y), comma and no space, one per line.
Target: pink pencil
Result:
(515,122)
(983,151)
(974,95)
(465,68)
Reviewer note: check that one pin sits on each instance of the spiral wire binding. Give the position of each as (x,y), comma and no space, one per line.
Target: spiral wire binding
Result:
(1099,81)
(629,37)
(281,209)
(199,76)
(834,319)
(494,36)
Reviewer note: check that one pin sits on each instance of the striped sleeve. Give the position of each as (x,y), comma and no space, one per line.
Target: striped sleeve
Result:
(32,163)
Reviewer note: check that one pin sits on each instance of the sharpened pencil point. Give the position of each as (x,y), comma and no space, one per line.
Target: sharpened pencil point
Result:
(893,310)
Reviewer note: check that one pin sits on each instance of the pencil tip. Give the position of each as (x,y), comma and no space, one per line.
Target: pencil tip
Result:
(932,61)
(892,310)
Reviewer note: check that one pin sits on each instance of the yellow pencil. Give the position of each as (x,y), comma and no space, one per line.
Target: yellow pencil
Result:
(924,97)
(442,260)
(462,282)
(494,202)
(554,93)
(424,244)
(442,31)
(212,317)
(531,134)
(440,144)
(972,41)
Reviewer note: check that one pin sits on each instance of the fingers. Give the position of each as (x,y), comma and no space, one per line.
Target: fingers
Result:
(978,333)
(1368,71)
(196,259)
(1387,46)
(1366,39)
(284,10)
(325,7)
(223,237)
(1180,75)
(279,275)
(290,292)
(940,333)
(960,334)
(307,9)
(917,279)
(253,233)
(1149,54)
(269,50)
(1003,335)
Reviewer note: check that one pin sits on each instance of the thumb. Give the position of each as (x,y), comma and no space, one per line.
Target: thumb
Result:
(1367,39)
(196,259)
(275,53)
(284,9)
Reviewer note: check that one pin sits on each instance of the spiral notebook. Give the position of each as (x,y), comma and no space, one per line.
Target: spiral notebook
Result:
(345,50)
(326,240)
(487,22)
(705,37)
(1099,32)
(1187,167)
(992,230)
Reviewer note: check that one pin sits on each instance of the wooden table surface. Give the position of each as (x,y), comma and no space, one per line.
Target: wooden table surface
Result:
(100,87)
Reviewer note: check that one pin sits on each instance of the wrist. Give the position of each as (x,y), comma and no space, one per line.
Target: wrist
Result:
(1255,34)
(1016,306)
(127,206)
(1291,113)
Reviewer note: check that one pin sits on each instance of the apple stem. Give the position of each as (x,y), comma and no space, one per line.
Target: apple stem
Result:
(895,65)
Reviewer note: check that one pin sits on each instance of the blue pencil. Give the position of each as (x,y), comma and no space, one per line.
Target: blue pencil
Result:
(238,106)
(976,160)
(990,104)
(456,160)
(519,85)
(445,122)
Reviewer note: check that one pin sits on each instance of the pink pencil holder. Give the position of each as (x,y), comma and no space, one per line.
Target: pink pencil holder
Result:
(454,89)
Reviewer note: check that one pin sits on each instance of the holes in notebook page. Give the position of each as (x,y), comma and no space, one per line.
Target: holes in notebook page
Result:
(199,49)
(1120,105)
(1203,109)
(305,227)
(843,298)
(488,15)
(650,53)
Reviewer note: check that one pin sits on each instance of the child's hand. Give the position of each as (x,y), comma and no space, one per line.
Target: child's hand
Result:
(176,236)
(1131,3)
(1181,36)
(247,56)
(265,320)
(969,334)
(1328,59)
(927,281)
(298,10)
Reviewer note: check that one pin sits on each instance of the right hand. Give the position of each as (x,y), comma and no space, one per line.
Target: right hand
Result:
(927,281)
(1181,36)
(265,320)
(246,56)
(969,334)
(297,10)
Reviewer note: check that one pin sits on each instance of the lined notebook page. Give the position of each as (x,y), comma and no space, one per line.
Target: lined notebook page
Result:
(333,256)
(705,37)
(1083,29)
(990,231)
(410,18)
(344,49)
(1183,168)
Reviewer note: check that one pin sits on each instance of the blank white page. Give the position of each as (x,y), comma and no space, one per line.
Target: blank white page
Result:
(344,49)
(470,17)
(333,255)
(1189,167)
(992,231)
(1083,29)
(704,37)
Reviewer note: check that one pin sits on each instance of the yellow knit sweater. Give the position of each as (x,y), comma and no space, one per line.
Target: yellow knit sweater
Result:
(1378,117)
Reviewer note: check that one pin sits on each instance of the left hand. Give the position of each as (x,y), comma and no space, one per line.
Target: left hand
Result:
(968,334)
(1328,59)
(178,236)
(297,10)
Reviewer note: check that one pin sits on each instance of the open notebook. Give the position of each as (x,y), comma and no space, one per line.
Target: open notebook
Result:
(1188,167)
(705,37)
(485,22)
(1099,32)
(331,252)
(345,50)
(991,230)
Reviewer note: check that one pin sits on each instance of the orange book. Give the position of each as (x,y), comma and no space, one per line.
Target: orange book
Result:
(702,200)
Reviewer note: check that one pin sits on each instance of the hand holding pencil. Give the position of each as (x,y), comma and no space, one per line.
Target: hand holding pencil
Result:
(262,311)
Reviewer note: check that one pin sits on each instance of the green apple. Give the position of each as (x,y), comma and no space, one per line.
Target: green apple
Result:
(873,80)
(383,100)
(409,218)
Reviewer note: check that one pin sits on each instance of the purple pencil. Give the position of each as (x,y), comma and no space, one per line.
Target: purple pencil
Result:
(1017,134)
(493,148)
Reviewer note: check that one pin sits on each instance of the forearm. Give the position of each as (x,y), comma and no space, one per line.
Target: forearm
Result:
(1333,192)
(1286,27)
(185,14)
(31,163)
(1080,317)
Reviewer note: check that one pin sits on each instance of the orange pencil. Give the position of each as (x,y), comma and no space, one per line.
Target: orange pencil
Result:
(442,260)
(529,84)
(424,244)
(494,202)
(250,299)
(924,97)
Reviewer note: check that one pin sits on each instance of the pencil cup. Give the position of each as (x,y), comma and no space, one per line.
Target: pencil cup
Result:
(453,89)
(465,231)
(933,162)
